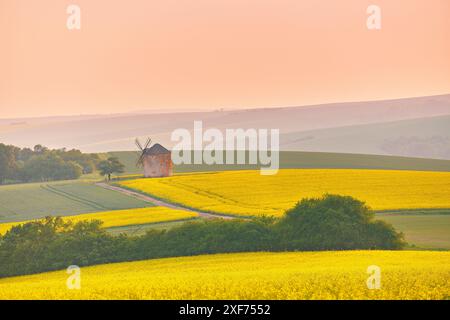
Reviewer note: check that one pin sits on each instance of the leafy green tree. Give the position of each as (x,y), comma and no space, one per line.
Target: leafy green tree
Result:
(8,163)
(86,161)
(43,164)
(53,244)
(24,154)
(40,149)
(335,222)
(110,166)
(49,166)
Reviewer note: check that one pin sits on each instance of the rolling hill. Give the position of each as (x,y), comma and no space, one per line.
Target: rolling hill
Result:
(299,159)
(102,133)
(425,137)
(248,193)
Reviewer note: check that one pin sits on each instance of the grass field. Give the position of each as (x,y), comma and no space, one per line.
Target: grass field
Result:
(248,193)
(123,218)
(32,201)
(424,231)
(298,160)
(302,275)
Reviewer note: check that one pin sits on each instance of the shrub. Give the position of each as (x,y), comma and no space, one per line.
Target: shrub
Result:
(335,222)
(53,244)
(329,223)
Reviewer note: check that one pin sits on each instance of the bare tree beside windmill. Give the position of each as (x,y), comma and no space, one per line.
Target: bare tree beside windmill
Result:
(156,160)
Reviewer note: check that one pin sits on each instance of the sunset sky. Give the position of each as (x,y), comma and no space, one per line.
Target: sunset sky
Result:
(209,54)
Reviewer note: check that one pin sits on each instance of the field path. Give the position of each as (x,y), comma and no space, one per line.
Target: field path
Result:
(158,202)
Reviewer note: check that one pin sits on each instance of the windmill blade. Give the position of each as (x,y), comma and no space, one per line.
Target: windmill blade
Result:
(149,141)
(140,161)
(138,144)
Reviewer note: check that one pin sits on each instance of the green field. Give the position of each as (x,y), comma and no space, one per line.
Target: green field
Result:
(30,201)
(426,231)
(298,159)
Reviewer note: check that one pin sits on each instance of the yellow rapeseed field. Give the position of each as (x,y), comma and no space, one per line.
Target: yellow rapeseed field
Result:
(119,218)
(301,275)
(249,193)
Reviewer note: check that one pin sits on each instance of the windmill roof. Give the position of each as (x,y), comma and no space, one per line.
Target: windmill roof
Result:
(156,149)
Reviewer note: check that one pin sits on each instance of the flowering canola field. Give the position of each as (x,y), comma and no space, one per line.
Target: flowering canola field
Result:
(248,193)
(300,275)
(119,218)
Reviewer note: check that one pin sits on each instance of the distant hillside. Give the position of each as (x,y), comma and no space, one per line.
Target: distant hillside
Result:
(426,137)
(293,159)
(101,133)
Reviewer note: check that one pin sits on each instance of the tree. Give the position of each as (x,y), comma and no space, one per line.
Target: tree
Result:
(110,166)
(44,164)
(86,161)
(40,149)
(53,244)
(8,163)
(24,154)
(49,166)
(335,222)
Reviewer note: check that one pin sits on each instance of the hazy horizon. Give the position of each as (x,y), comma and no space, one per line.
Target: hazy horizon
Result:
(179,110)
(130,56)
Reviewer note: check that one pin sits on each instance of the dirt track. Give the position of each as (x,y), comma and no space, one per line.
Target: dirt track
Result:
(160,203)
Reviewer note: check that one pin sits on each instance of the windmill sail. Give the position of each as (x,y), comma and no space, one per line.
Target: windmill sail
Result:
(140,160)
(138,144)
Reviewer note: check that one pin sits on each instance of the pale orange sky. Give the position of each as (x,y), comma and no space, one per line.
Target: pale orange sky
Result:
(208,54)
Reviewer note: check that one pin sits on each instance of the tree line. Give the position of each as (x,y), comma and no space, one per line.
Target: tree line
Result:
(43,164)
(332,222)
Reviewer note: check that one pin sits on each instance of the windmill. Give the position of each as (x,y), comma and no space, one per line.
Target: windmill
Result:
(140,161)
(155,160)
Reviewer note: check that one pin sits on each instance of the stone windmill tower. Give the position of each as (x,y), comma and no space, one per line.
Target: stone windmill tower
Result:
(156,160)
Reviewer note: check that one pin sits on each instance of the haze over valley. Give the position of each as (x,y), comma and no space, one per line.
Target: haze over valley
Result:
(416,127)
